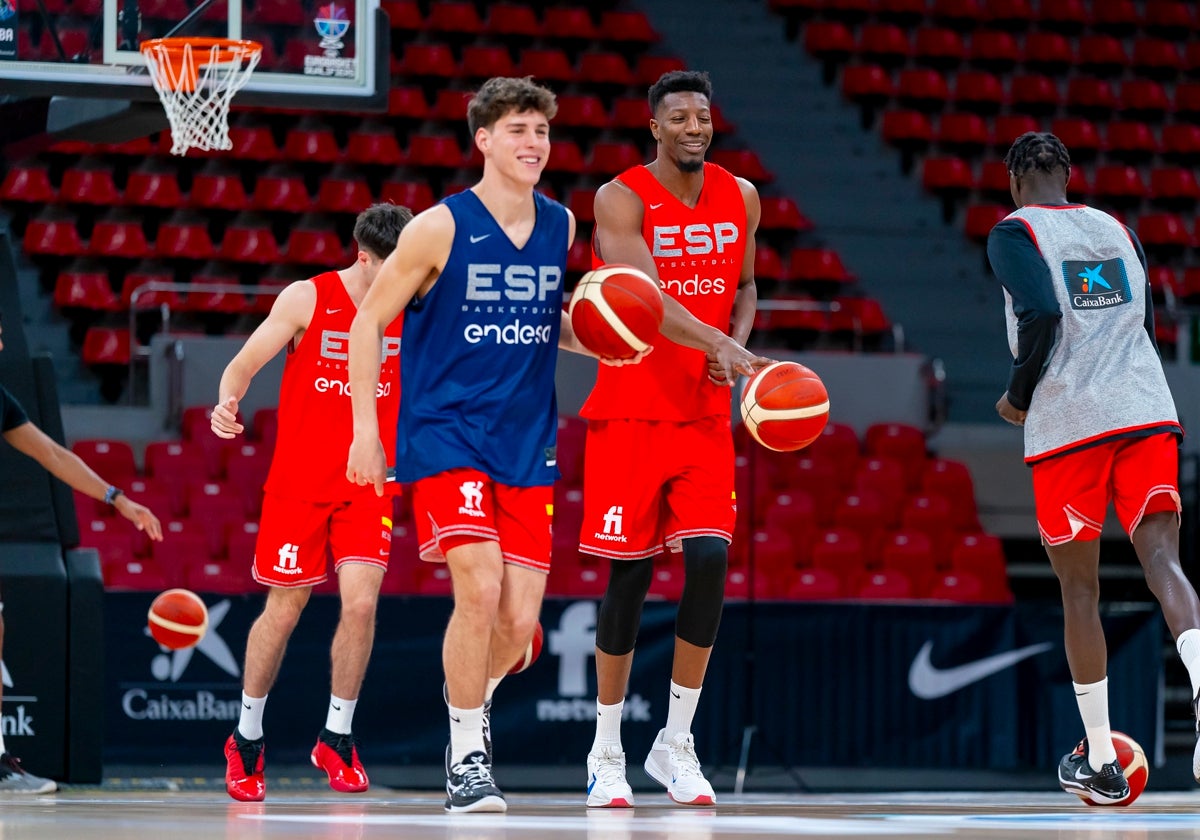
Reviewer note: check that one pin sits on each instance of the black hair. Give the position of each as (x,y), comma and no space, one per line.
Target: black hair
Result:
(1037,150)
(679,81)
(378,227)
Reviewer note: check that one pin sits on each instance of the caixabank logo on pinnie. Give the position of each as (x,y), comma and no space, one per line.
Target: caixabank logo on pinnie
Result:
(1099,284)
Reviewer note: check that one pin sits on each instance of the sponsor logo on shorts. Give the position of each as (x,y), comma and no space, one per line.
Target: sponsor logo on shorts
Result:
(1101,284)
(288,555)
(613,522)
(472,492)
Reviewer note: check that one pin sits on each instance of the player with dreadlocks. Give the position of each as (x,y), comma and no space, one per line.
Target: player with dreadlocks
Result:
(1100,425)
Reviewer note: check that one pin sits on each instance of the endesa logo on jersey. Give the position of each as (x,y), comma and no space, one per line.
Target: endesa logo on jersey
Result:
(693,286)
(514,333)
(335,346)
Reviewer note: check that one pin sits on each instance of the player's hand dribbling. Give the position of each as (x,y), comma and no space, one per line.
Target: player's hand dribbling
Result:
(732,359)
(366,464)
(1010,412)
(621,362)
(223,420)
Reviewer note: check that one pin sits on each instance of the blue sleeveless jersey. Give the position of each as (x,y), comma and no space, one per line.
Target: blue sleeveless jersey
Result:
(479,352)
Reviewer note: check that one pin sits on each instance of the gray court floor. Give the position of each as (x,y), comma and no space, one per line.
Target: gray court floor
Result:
(104,814)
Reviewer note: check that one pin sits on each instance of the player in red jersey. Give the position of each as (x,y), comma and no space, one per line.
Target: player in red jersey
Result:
(659,460)
(309,508)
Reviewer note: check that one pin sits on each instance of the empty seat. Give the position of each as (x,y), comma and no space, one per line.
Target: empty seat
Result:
(52,232)
(604,69)
(249,239)
(281,190)
(883,586)
(407,102)
(568,23)
(546,64)
(993,49)
(484,62)
(454,17)
(28,182)
(830,41)
(1144,99)
(252,142)
(89,184)
(374,145)
(612,157)
(183,238)
(415,195)
(513,19)
(819,265)
(581,111)
(437,151)
(1156,58)
(962,132)
(815,585)
(1130,141)
(311,142)
(900,441)
(106,346)
(312,242)
(433,61)
(626,26)
(883,43)
(119,235)
(981,218)
(150,188)
(83,286)
(1119,184)
(1079,135)
(1047,52)
(978,90)
(869,85)
(112,459)
(923,89)
(1008,127)
(344,193)
(1033,93)
(1174,186)
(218,190)
(952,481)
(940,48)
(911,553)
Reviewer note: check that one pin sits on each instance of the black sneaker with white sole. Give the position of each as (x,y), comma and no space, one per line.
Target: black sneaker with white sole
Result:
(470,786)
(1106,786)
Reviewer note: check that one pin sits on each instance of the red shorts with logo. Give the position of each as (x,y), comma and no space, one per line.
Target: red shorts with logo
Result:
(465,505)
(648,484)
(1072,491)
(296,538)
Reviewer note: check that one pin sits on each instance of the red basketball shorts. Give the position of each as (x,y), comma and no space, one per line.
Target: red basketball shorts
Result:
(296,538)
(648,484)
(464,505)
(1072,491)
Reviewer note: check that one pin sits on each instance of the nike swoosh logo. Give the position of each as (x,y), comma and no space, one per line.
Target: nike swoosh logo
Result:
(475,239)
(1085,776)
(332,311)
(930,683)
(336,708)
(245,706)
(591,783)
(656,206)
(676,696)
(456,720)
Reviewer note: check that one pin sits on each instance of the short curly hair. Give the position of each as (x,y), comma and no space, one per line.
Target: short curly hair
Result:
(500,95)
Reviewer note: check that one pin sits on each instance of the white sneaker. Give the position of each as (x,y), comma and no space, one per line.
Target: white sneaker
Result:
(607,787)
(673,764)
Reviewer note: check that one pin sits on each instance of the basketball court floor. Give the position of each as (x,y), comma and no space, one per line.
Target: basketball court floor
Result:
(104,814)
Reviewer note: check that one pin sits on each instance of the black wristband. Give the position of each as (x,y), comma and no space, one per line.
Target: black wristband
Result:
(110,495)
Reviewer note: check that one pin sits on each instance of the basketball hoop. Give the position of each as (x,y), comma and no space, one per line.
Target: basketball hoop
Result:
(196,79)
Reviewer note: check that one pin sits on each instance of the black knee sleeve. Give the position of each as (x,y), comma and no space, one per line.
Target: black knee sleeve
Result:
(704,563)
(621,610)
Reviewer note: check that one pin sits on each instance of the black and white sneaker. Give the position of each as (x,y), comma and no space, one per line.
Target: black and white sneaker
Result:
(1106,786)
(470,786)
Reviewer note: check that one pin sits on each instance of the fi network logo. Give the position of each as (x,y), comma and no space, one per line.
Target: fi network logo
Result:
(289,554)
(1096,285)
(614,522)
(472,492)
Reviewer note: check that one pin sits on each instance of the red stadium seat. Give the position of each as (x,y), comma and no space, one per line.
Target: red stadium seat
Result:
(151,188)
(1033,93)
(252,142)
(428,61)
(1156,58)
(312,242)
(923,89)
(546,65)
(484,62)
(112,459)
(650,67)
(979,91)
(604,69)
(884,478)
(568,23)
(404,15)
(311,142)
(884,586)
(53,232)
(981,555)
(900,441)
(939,48)
(119,235)
(89,184)
(952,480)
(817,265)
(450,106)
(930,514)
(181,237)
(281,190)
(139,276)
(1068,16)
(830,41)
(627,26)
(1008,127)
(437,151)
(782,213)
(415,195)
(1047,52)
(1180,142)
(29,183)
(1079,136)
(1011,14)
(1116,16)
(375,146)
(264,425)
(883,43)
(611,157)
(132,575)
(407,102)
(218,191)
(1118,183)
(86,287)
(454,17)
(1168,17)
(911,553)
(581,111)
(1144,99)
(513,19)
(249,239)
(956,587)
(1130,141)
(1163,232)
(981,218)
(219,578)
(993,50)
(868,85)
(907,130)
(1174,186)
(343,194)
(815,585)
(961,132)
(277,12)
(947,176)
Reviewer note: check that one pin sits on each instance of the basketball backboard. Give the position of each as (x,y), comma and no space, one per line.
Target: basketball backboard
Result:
(326,54)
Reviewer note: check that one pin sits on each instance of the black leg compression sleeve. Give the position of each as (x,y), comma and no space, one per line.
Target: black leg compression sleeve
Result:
(621,610)
(704,561)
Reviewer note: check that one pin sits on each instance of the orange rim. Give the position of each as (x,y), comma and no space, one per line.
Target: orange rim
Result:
(179,55)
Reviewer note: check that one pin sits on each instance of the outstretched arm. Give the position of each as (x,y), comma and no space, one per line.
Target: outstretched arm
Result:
(69,468)
(409,271)
(619,213)
(289,318)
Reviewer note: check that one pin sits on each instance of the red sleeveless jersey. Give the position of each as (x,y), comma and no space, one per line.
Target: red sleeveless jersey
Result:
(316,423)
(698,252)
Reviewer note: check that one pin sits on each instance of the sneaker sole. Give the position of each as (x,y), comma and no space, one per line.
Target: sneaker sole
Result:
(700,801)
(340,787)
(615,802)
(1090,795)
(1196,762)
(487,805)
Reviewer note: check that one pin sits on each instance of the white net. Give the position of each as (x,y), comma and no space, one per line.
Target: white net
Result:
(196,80)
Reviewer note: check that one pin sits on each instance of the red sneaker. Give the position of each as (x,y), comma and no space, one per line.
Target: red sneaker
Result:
(244,769)
(337,755)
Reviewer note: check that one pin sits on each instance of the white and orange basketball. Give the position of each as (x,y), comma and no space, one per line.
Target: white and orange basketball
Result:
(616,311)
(1132,759)
(785,406)
(532,652)
(177,619)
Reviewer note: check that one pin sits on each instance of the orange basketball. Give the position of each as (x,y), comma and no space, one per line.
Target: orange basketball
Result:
(177,619)
(532,652)
(616,311)
(1132,759)
(785,406)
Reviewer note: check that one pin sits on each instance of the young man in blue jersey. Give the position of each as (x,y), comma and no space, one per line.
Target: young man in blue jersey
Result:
(480,280)
(1097,429)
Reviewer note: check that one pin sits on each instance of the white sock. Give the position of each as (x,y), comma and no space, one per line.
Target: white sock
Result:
(608,725)
(1188,645)
(491,688)
(250,723)
(466,732)
(1093,708)
(680,710)
(340,715)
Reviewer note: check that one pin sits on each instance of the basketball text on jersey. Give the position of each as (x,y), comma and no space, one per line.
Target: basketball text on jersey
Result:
(512,291)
